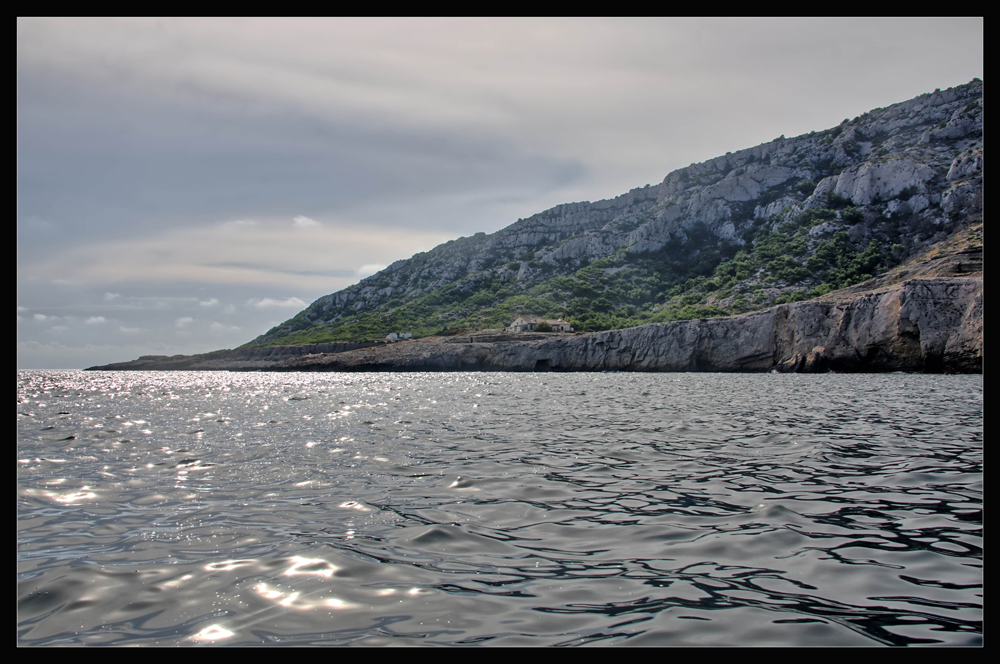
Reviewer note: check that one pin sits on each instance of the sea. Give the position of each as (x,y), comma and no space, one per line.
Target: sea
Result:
(498,509)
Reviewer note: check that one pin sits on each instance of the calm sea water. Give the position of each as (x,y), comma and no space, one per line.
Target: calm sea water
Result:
(498,509)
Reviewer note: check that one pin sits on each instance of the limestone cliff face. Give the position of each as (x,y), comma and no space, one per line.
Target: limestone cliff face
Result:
(923,316)
(910,174)
(923,325)
(918,163)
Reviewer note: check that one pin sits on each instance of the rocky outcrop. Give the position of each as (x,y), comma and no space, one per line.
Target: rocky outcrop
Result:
(922,325)
(923,316)
(928,325)
(910,171)
(906,178)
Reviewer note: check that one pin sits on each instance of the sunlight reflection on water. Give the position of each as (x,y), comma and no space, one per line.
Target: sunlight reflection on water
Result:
(506,509)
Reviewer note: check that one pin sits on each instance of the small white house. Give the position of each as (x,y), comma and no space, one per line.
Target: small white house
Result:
(399,335)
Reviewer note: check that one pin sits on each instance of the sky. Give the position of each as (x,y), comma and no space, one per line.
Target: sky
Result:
(183,185)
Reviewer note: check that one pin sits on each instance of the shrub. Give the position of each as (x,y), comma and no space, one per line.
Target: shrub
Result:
(805,187)
(836,201)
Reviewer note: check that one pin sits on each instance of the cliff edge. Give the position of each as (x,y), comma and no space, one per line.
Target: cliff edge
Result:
(923,316)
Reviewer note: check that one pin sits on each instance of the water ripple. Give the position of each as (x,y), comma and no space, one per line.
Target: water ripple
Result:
(499,509)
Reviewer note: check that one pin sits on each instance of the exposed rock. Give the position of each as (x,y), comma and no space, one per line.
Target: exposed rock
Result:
(918,163)
(883,181)
(926,325)
(901,177)
(967,164)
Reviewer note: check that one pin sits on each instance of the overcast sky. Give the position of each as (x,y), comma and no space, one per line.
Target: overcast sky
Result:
(184,185)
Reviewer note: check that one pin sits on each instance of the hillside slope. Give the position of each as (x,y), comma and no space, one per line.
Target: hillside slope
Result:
(925,315)
(784,221)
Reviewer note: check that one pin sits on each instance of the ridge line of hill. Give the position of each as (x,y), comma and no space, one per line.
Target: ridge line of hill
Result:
(788,220)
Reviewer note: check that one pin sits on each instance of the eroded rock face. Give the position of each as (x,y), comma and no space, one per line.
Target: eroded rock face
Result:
(921,325)
(919,162)
(865,184)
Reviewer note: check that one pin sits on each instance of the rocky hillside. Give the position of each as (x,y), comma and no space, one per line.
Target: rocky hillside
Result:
(925,315)
(788,220)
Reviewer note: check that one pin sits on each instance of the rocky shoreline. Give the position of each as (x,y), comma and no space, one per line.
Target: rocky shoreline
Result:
(924,316)
(922,325)
(932,326)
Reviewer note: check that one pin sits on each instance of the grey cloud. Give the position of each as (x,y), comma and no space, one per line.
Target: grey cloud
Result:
(138,138)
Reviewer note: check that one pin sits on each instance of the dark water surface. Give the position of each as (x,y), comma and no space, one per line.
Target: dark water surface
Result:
(499,509)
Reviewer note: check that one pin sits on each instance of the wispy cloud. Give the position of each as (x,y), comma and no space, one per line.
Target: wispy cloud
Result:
(130,330)
(240,224)
(208,303)
(95,320)
(371,268)
(305,222)
(183,322)
(270,255)
(266,302)
(219,328)
(112,296)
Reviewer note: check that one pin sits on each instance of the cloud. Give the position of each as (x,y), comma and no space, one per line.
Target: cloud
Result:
(371,268)
(266,302)
(305,222)
(208,303)
(183,322)
(95,320)
(40,316)
(230,309)
(270,255)
(240,224)
(130,330)
(219,328)
(21,309)
(59,328)
(112,296)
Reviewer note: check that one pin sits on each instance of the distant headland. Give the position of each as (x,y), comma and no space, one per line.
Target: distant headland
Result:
(856,248)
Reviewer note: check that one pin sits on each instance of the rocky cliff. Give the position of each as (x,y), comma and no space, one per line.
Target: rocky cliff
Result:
(867,237)
(923,316)
(926,325)
(851,201)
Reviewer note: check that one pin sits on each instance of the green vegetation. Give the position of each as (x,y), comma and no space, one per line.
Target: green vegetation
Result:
(695,275)
(483,282)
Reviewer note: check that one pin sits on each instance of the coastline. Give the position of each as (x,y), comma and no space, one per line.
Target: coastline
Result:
(931,325)
(924,316)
